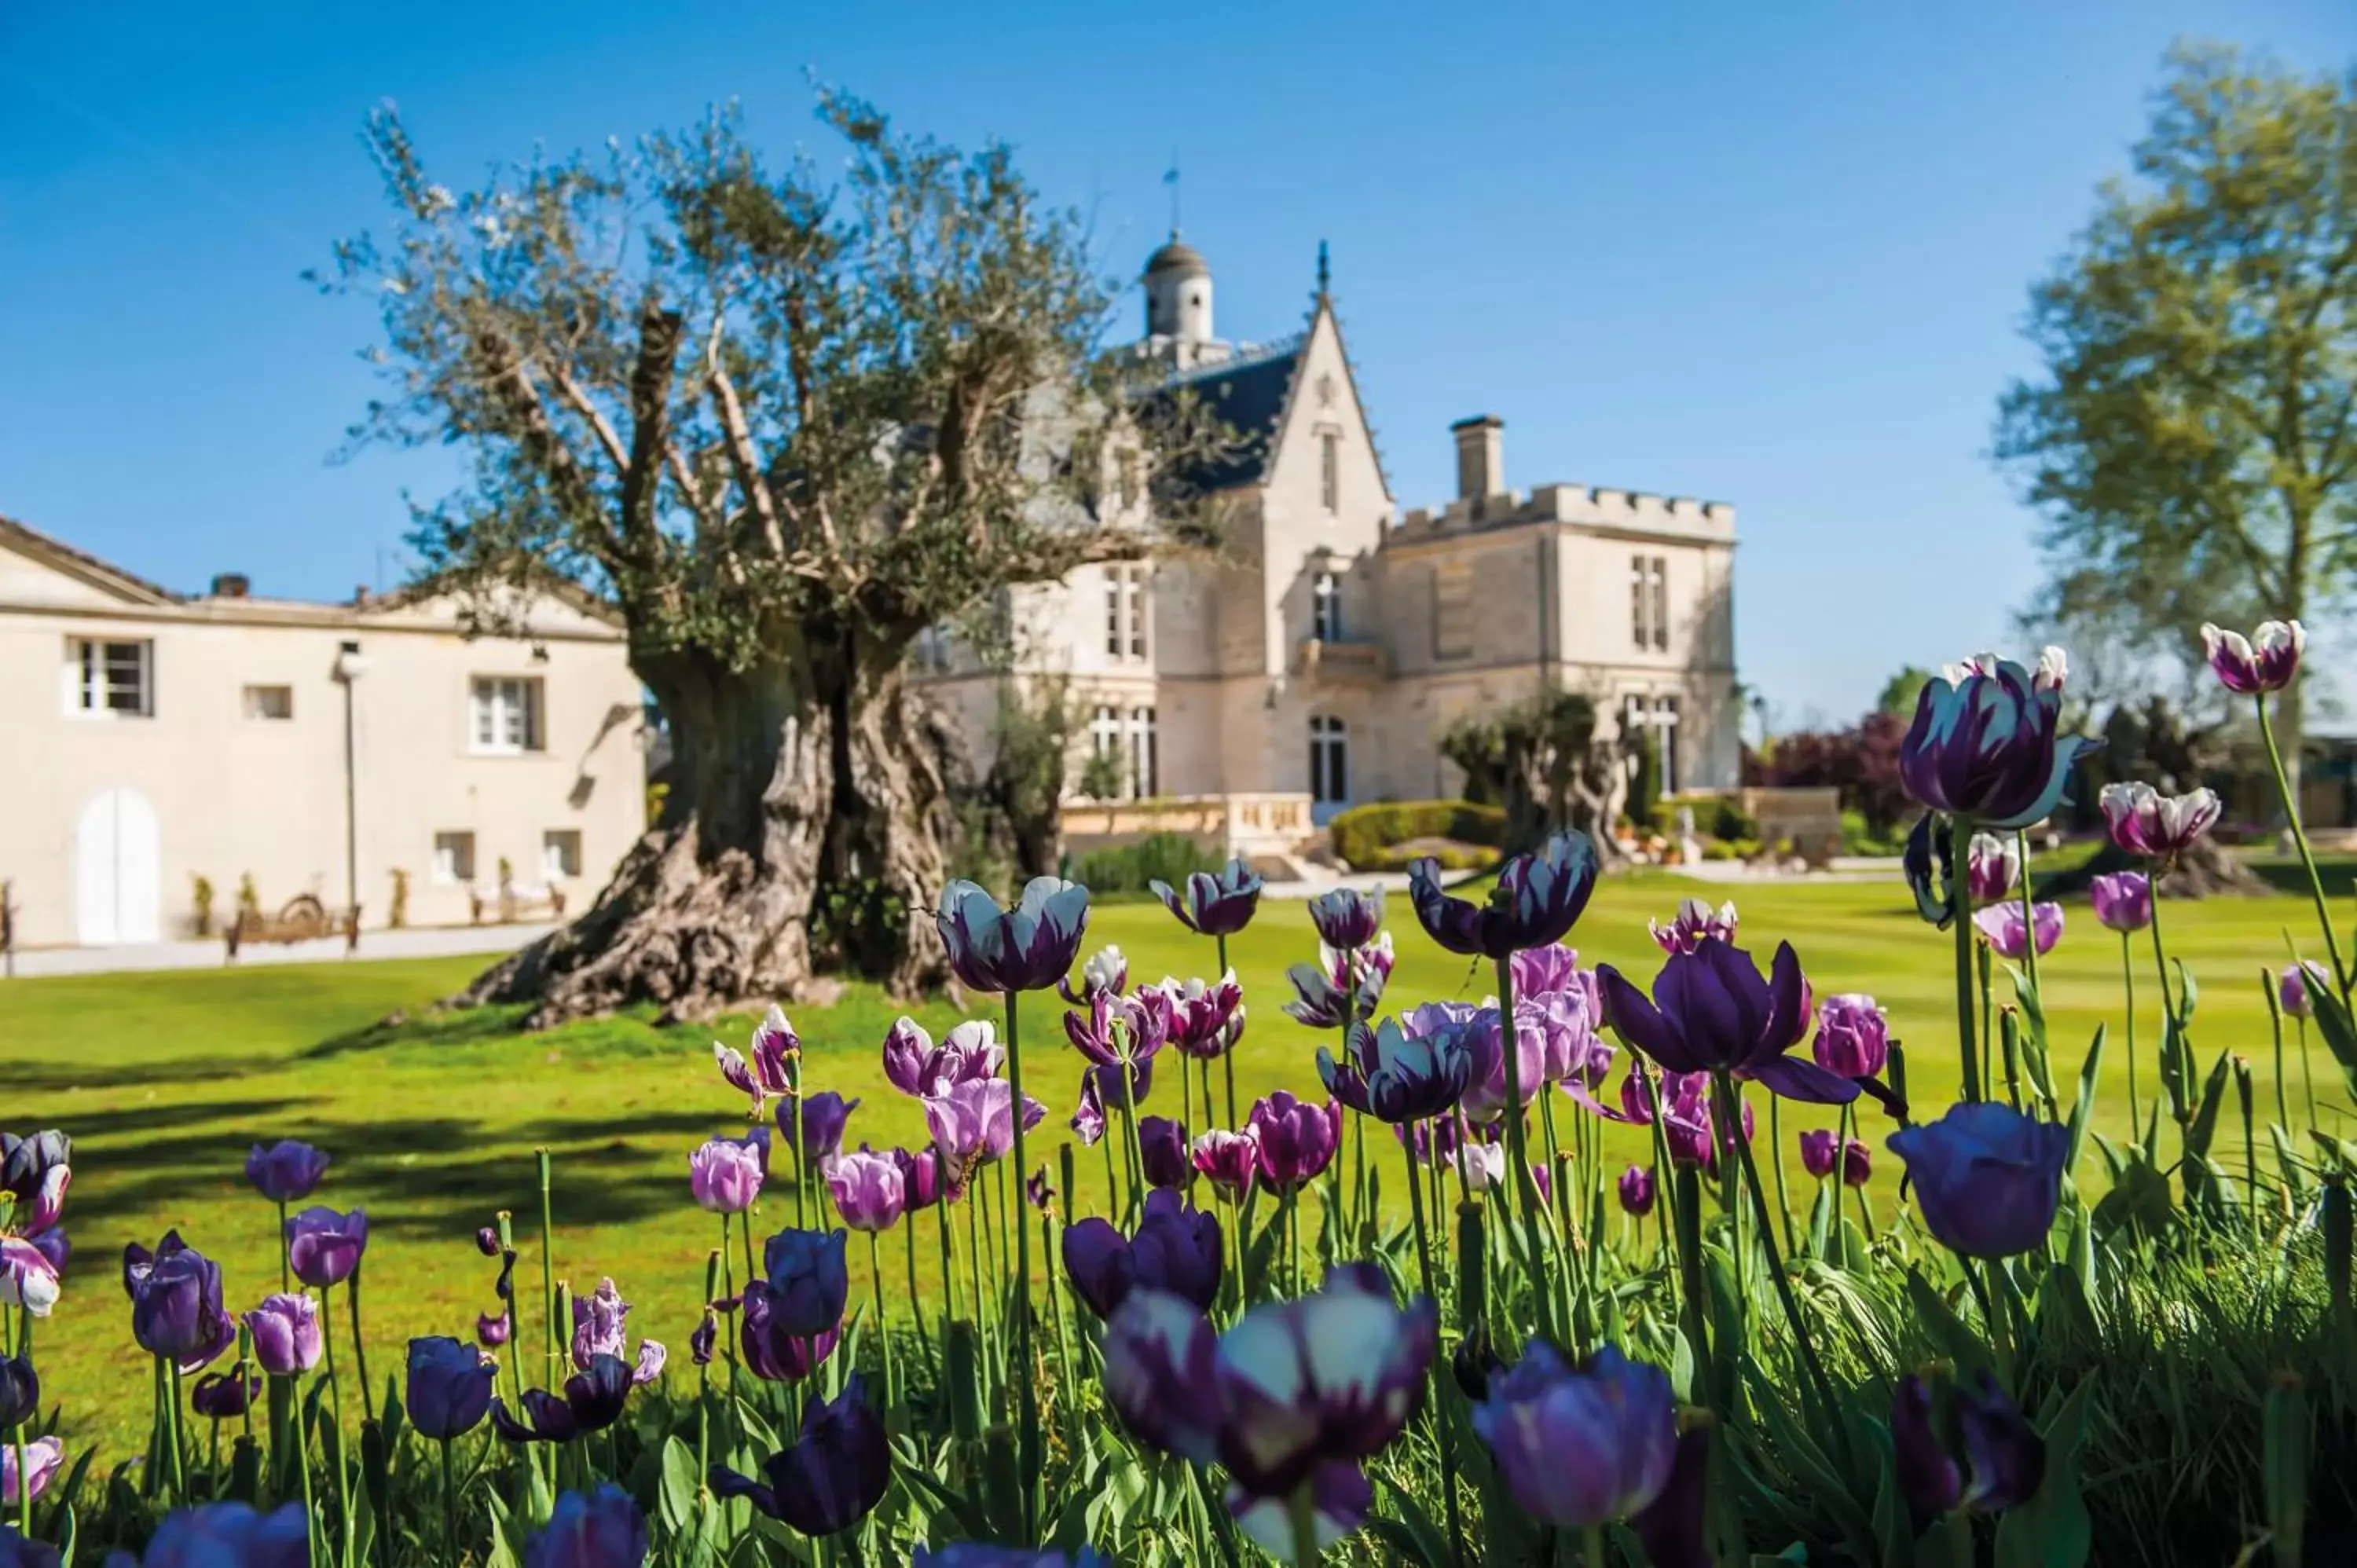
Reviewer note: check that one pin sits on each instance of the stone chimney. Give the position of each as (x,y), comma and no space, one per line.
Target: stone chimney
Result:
(1480,457)
(232,586)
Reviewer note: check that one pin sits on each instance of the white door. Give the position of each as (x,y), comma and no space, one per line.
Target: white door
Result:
(118,870)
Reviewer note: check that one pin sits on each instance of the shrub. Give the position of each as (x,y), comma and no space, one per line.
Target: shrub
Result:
(1361,833)
(200,894)
(1157,857)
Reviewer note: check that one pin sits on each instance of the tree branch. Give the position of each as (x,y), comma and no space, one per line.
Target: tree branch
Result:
(737,440)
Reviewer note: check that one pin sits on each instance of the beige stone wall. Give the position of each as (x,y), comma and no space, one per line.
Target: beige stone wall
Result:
(235,795)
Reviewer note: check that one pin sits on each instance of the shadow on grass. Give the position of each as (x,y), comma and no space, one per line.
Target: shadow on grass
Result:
(55,1075)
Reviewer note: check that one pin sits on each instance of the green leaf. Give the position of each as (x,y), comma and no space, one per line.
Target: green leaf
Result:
(2083,1109)
(2204,1125)
(1938,1319)
(1425,1542)
(2052,1529)
(676,1497)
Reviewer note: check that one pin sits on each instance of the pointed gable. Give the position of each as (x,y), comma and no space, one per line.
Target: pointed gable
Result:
(1325,391)
(38,569)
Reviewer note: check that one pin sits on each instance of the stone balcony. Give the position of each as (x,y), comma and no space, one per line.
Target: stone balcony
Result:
(1347,662)
(1251,825)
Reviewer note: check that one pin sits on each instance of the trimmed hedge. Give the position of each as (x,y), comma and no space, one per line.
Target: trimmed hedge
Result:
(1127,868)
(1361,833)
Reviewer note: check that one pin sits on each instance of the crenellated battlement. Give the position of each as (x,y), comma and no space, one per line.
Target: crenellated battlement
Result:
(1589,506)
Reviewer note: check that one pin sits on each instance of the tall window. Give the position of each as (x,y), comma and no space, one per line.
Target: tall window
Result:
(1649,601)
(1145,754)
(506,716)
(1329,761)
(116,680)
(1329,471)
(1127,613)
(1325,607)
(1452,612)
(1656,716)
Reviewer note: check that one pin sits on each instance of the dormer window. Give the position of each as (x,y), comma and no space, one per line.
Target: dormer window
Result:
(1325,607)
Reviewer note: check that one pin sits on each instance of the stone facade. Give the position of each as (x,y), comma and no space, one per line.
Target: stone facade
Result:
(148,738)
(1331,640)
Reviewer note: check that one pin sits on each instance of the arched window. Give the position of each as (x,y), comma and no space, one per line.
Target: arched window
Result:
(1330,764)
(1325,607)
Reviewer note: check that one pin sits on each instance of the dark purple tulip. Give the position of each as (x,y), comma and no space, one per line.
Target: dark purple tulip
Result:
(1231,1161)
(1984,744)
(231,1533)
(1202,1014)
(1342,979)
(494,1329)
(16,1552)
(1295,1139)
(1341,1497)
(1636,1189)
(1213,903)
(831,1478)
(1395,1076)
(28,1276)
(1712,1012)
(2004,1457)
(1580,1448)
(1538,897)
(920,1178)
(449,1386)
(1853,1039)
(916,1067)
(1162,1149)
(2264,662)
(176,1307)
(1818,1157)
(20,1390)
(1671,1527)
(1028,948)
(824,1117)
(53,1245)
(487,1241)
(806,1279)
(325,1247)
(1346,918)
(770,1073)
(771,1352)
(1038,1193)
(703,1338)
(223,1396)
(1929,863)
(138,1261)
(1161,1364)
(603,1529)
(2145,822)
(1097,1261)
(1117,1029)
(26,1162)
(1485,1087)
(286,1171)
(2293,986)
(1176,1248)
(980,1554)
(1088,1115)
(2123,900)
(1689,1124)
(286,1339)
(1987,1180)
(592,1401)
(1106,973)
(1695,923)
(1928,1477)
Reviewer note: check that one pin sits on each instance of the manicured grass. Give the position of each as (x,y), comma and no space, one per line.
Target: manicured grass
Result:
(164,1080)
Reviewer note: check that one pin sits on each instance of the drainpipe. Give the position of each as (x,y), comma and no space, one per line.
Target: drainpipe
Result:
(351,665)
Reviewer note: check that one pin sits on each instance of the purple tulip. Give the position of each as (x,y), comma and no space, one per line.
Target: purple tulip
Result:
(868,1190)
(1346,918)
(20,1389)
(2292,987)
(980,1554)
(224,1396)
(1161,1366)
(286,1171)
(494,1329)
(1690,1127)
(1341,1497)
(603,1529)
(1538,897)
(1695,923)
(43,1457)
(1028,948)
(973,1125)
(920,1178)
(28,1276)
(231,1533)
(1853,1041)
(1395,1076)
(601,1327)
(1712,1012)
(1162,1149)
(1097,1261)
(1200,1013)
(1673,1527)
(1636,1189)
(916,1067)
(703,1338)
(1038,1193)
(831,1478)
(449,1386)
(27,1164)
(772,1351)
(1213,903)
(1117,1029)
(175,1304)
(2266,662)
(1485,1089)
(1992,866)
(806,1280)
(2001,926)
(1088,1122)
(724,1176)
(325,1247)
(769,1074)
(592,1401)
(1818,1157)
(1558,1028)
(2145,822)
(822,1119)
(1986,1178)
(286,1331)
(1296,1140)
(2123,900)
(1580,1448)
(1984,744)
(2004,1457)
(1106,973)
(1231,1161)
(487,1241)
(1352,980)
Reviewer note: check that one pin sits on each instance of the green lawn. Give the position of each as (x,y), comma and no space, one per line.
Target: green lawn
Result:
(164,1080)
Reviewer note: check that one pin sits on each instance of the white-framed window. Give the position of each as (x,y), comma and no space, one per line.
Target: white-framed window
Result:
(1329,471)
(453,859)
(504,716)
(1659,716)
(560,854)
(273,703)
(1128,615)
(1649,601)
(1329,761)
(108,679)
(1325,607)
(1145,754)
(1452,612)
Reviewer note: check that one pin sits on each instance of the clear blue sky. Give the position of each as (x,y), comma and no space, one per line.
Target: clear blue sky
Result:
(1775,255)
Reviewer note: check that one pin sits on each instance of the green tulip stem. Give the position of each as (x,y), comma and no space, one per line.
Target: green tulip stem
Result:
(2274,1024)
(1303,1506)
(450,1507)
(285,1274)
(2127,987)
(1518,1177)
(336,1403)
(1960,902)
(1026,1391)
(1594,1533)
(942,1228)
(360,1345)
(303,1464)
(883,1335)
(1984,1284)
(1227,1056)
(916,1302)
(2028,911)
(744,1241)
(547,1276)
(24,1485)
(1820,1386)
(2307,1075)
(1441,1418)
(2307,856)
(1776,1160)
